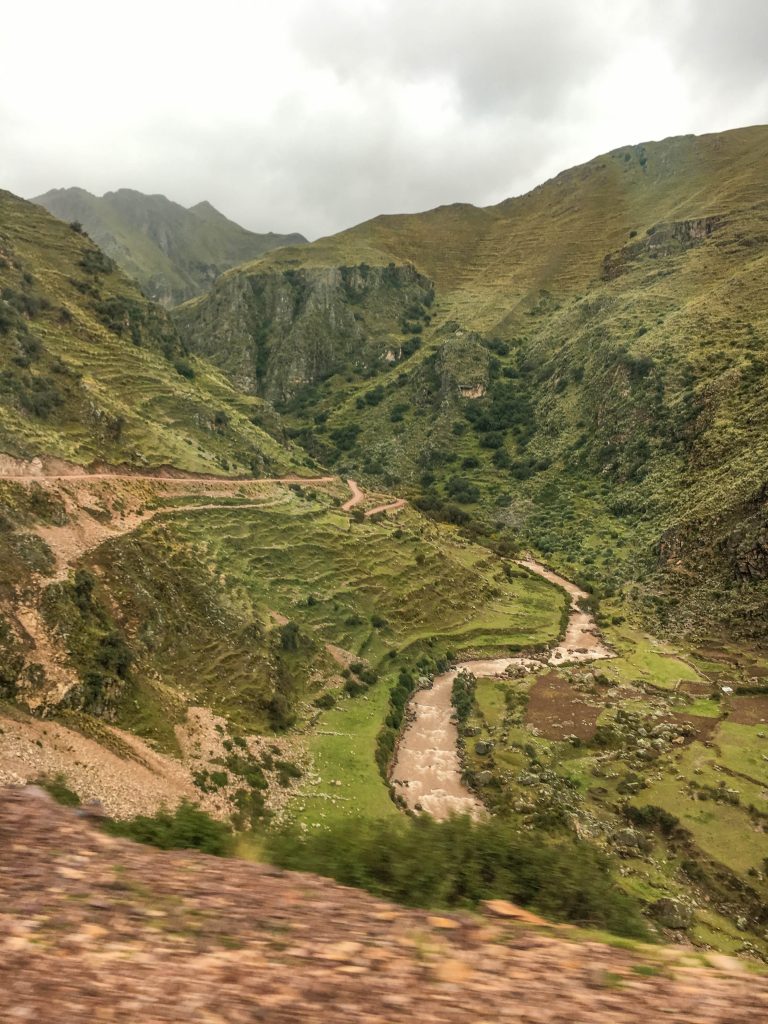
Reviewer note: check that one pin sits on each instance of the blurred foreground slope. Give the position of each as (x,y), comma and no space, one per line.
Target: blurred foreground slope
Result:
(99,929)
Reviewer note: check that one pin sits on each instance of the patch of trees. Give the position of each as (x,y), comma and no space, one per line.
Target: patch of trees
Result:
(462,490)
(386,740)
(463,695)
(372,397)
(291,649)
(409,346)
(506,407)
(26,303)
(345,437)
(37,394)
(96,647)
(94,262)
(447,512)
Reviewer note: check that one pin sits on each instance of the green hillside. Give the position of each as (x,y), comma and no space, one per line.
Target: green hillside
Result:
(91,370)
(581,368)
(580,372)
(174,253)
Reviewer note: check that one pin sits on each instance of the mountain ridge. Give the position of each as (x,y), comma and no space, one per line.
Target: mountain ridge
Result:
(173,252)
(601,294)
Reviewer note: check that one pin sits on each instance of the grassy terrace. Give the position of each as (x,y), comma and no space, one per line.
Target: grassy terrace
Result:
(308,562)
(202,593)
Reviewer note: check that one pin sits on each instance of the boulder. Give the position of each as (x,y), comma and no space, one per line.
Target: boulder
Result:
(671,913)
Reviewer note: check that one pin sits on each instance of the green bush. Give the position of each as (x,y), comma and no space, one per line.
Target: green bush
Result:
(458,863)
(387,736)
(58,789)
(186,828)
(185,369)
(289,636)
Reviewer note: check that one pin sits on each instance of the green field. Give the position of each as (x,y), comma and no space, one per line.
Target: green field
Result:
(345,781)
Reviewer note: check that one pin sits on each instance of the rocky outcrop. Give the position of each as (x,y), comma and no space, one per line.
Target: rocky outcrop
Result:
(275,331)
(736,541)
(660,240)
(463,363)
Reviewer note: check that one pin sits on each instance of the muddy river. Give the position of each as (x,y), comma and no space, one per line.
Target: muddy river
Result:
(427,769)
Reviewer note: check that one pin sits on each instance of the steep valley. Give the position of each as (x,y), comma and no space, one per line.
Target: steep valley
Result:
(443,461)
(580,369)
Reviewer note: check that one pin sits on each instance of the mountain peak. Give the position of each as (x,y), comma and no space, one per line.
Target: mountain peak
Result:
(174,253)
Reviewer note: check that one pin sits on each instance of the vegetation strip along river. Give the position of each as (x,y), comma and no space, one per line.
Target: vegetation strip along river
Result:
(427,768)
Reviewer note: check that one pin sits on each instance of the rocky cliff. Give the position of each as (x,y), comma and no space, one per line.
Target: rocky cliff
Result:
(276,330)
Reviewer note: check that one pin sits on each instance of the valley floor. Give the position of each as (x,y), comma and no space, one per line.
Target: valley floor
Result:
(649,731)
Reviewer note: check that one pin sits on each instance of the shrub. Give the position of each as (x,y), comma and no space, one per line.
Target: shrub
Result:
(186,828)
(185,369)
(94,261)
(286,771)
(461,489)
(492,440)
(344,437)
(289,636)
(58,789)
(421,862)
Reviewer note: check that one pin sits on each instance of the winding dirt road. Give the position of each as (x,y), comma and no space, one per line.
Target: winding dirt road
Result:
(357,496)
(427,768)
(392,506)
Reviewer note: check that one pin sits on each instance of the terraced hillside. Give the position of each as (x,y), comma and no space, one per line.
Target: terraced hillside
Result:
(172,252)
(93,371)
(185,614)
(589,375)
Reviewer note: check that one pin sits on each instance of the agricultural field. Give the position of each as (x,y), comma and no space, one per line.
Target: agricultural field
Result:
(650,759)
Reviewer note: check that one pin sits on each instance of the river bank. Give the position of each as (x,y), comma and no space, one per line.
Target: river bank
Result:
(426,773)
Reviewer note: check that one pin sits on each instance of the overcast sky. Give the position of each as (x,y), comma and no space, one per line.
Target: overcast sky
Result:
(312,115)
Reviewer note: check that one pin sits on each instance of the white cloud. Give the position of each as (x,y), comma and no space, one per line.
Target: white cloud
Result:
(312,116)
